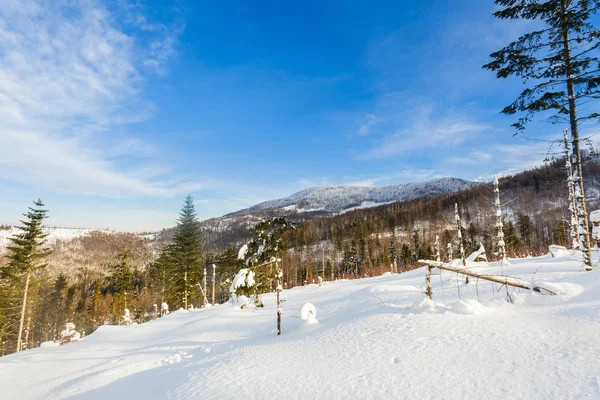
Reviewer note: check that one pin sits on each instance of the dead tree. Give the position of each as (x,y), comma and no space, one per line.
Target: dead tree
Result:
(499,223)
(213,283)
(204,288)
(571,199)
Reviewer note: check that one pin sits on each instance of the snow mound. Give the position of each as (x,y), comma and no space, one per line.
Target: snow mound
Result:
(564,289)
(425,306)
(558,251)
(467,307)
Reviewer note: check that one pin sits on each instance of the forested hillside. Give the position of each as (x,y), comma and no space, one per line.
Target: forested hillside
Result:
(92,278)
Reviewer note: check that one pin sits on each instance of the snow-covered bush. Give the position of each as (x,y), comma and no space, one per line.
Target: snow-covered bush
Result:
(243,288)
(126,317)
(69,334)
(260,257)
(164,309)
(308,313)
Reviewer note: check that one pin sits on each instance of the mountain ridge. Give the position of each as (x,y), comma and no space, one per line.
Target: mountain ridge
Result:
(338,198)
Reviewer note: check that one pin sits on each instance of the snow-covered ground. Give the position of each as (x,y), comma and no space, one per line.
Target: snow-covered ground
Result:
(375,338)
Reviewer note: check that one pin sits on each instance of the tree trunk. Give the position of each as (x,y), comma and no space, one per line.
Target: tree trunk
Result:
(499,223)
(204,286)
(185,294)
(574,218)
(429,288)
(213,283)
(19,345)
(278,290)
(584,232)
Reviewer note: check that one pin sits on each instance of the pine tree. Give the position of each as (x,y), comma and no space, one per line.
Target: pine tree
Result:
(121,285)
(187,254)
(26,255)
(562,62)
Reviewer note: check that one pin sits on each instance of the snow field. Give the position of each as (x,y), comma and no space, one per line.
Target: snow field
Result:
(375,338)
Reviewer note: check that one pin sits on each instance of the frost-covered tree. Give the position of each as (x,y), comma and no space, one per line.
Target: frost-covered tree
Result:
(573,217)
(561,64)
(499,223)
(259,256)
(69,334)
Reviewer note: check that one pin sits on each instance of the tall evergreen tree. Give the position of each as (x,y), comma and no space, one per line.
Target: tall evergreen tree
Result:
(187,253)
(26,256)
(562,61)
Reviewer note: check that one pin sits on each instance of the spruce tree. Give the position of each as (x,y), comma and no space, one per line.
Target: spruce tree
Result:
(187,252)
(26,256)
(561,62)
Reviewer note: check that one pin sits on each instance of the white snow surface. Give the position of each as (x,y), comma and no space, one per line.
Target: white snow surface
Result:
(376,338)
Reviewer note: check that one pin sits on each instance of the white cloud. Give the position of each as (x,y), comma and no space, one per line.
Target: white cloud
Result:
(365,126)
(420,126)
(69,77)
(473,158)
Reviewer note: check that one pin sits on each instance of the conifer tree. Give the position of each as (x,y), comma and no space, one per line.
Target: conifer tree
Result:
(26,256)
(561,61)
(186,253)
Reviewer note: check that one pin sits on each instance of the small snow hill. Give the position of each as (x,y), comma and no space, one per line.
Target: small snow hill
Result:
(375,338)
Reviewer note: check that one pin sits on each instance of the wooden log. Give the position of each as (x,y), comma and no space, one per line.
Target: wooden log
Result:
(493,278)
(429,288)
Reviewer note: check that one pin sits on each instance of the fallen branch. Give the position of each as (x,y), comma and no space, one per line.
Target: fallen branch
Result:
(493,278)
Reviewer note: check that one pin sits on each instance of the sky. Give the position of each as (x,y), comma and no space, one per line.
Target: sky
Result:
(113,111)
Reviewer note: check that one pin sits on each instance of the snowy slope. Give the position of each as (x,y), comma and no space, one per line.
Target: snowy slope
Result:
(376,338)
(341,198)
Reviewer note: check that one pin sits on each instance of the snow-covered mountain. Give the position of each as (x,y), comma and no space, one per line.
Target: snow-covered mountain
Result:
(321,201)
(337,199)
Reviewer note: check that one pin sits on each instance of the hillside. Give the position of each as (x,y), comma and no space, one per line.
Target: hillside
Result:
(376,338)
(54,235)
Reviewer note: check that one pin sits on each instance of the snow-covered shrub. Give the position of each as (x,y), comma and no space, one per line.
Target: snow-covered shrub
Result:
(260,257)
(164,309)
(126,317)
(69,334)
(308,313)
(244,285)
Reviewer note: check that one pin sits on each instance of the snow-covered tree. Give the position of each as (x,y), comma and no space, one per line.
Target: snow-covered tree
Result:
(574,218)
(499,223)
(69,334)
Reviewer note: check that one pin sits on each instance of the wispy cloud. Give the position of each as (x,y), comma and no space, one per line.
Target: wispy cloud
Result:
(508,159)
(421,126)
(367,123)
(69,78)
(472,158)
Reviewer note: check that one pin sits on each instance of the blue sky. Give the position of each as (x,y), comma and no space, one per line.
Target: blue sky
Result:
(113,111)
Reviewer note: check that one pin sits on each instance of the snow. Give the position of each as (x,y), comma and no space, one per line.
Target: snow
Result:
(244,278)
(376,338)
